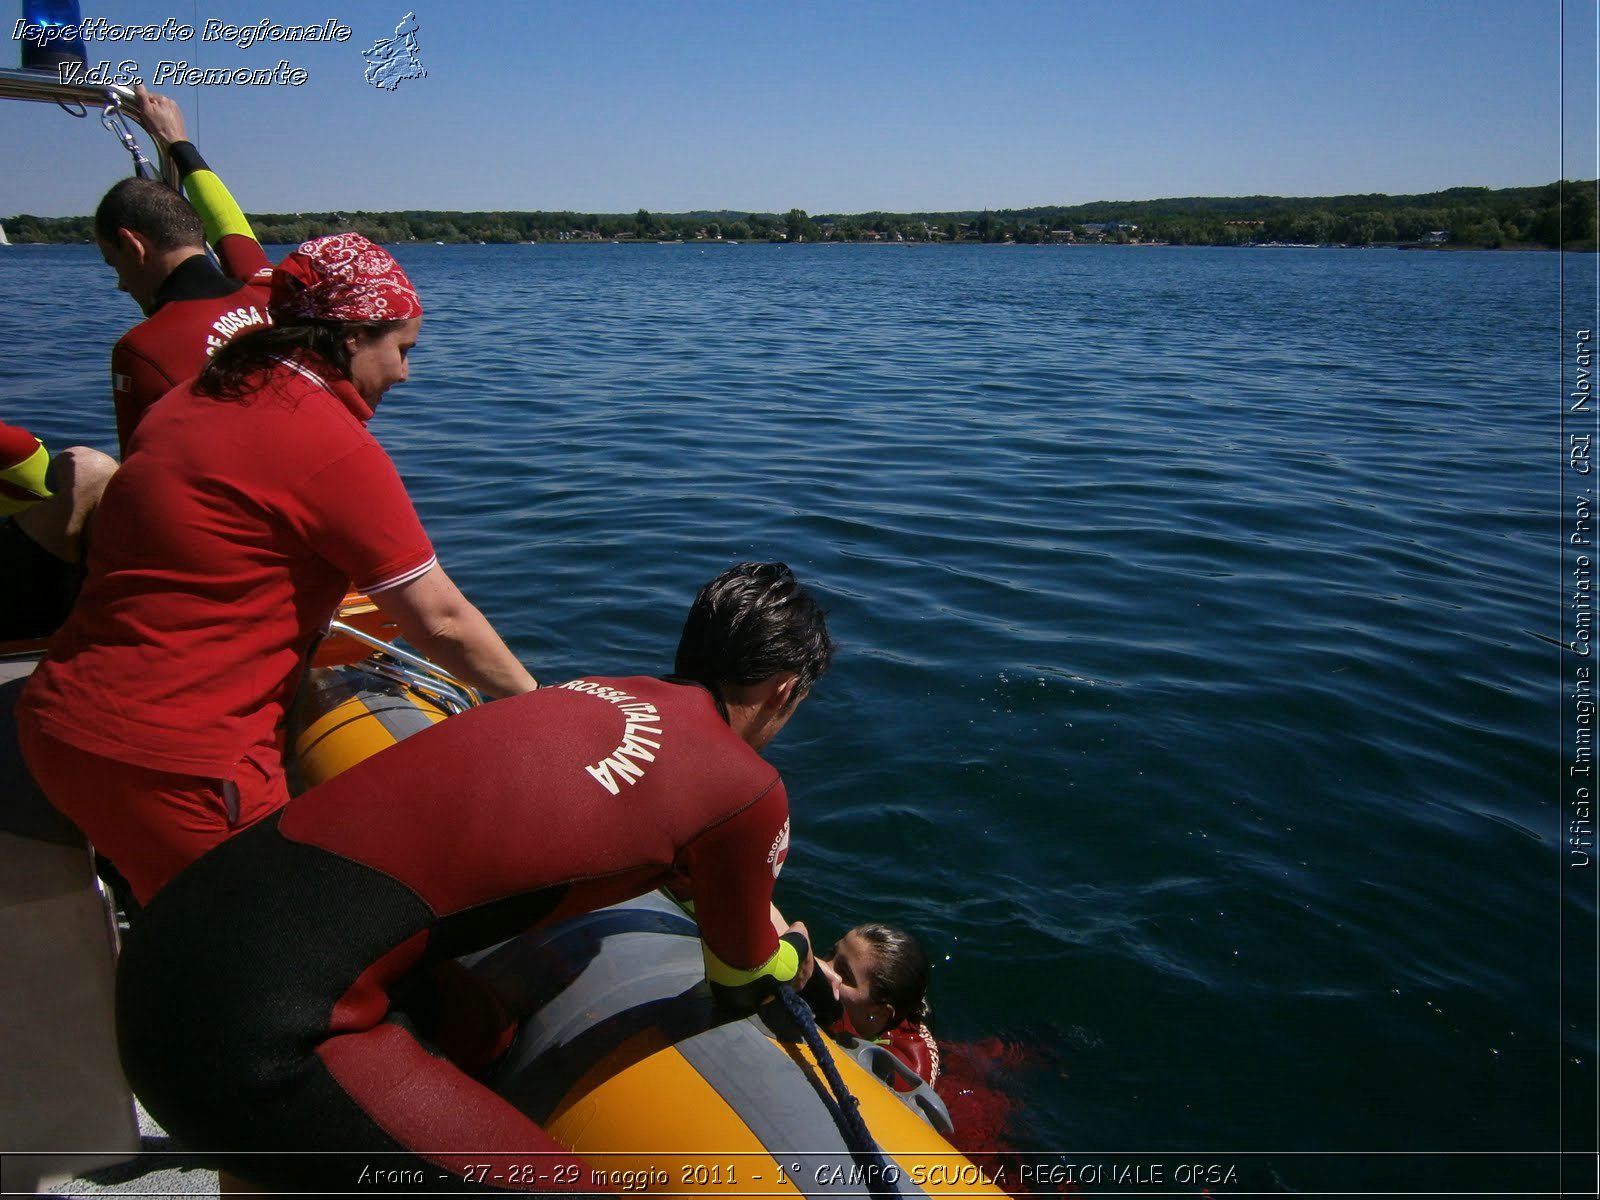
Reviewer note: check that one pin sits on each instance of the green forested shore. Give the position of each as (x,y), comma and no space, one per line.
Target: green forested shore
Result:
(1556,214)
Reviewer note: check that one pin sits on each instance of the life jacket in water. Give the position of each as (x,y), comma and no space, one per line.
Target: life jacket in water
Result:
(909,1041)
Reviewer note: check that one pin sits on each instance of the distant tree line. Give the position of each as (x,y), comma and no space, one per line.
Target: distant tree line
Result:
(1561,214)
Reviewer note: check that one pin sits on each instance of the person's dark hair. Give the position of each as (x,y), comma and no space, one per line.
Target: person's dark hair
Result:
(230,368)
(899,973)
(749,623)
(152,209)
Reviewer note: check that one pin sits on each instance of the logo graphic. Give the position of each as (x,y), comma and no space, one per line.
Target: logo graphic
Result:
(780,850)
(393,60)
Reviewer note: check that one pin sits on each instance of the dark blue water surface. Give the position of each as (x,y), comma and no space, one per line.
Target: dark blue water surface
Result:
(1198,701)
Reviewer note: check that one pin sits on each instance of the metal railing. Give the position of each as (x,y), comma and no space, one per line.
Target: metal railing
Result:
(117,105)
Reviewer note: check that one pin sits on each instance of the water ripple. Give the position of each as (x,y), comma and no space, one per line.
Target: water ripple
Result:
(1187,702)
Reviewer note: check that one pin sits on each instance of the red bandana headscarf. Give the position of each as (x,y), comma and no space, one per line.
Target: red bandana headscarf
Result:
(342,278)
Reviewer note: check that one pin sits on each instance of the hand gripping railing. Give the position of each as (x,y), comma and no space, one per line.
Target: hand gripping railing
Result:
(116,103)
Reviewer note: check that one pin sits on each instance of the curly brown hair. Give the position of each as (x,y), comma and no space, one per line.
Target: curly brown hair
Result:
(228,373)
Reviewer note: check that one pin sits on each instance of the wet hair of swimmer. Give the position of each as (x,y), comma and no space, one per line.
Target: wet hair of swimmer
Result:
(237,360)
(152,209)
(749,623)
(898,975)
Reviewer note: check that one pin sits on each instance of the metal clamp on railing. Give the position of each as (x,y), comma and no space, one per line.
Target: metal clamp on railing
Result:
(412,670)
(116,123)
(47,87)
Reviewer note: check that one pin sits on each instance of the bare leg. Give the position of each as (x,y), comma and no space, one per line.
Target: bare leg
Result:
(78,476)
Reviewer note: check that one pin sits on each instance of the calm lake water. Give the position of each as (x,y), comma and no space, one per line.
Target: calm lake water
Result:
(1199,702)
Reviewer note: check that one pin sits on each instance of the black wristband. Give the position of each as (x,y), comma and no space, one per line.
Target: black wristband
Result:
(186,158)
(801,946)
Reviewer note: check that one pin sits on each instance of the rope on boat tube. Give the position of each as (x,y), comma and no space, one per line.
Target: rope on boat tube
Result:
(846,1108)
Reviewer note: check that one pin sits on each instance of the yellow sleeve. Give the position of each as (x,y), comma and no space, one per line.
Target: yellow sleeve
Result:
(218,210)
(22,485)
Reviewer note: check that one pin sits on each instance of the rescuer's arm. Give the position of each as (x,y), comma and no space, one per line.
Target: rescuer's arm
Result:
(732,867)
(227,228)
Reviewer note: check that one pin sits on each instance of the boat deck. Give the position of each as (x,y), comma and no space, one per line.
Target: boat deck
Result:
(71,1127)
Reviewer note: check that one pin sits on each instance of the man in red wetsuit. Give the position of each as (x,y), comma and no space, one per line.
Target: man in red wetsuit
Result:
(155,240)
(319,930)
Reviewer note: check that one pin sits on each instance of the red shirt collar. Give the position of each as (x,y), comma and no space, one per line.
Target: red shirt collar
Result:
(321,375)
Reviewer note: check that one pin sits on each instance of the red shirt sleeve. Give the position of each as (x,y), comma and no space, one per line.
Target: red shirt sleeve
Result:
(357,515)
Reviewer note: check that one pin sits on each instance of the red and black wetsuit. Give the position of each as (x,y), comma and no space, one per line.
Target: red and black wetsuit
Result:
(274,996)
(197,307)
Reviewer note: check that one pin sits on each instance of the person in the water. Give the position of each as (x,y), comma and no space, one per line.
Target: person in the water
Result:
(156,240)
(321,932)
(881,974)
(881,977)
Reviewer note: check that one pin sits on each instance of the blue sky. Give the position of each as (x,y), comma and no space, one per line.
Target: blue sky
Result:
(899,105)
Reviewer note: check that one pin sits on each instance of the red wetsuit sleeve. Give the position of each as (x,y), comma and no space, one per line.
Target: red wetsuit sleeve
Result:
(732,869)
(24,465)
(243,258)
(136,384)
(356,514)
(17,445)
(227,228)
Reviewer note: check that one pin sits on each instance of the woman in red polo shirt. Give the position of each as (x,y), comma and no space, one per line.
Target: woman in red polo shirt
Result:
(250,500)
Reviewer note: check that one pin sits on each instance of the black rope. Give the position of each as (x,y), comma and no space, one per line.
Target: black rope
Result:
(847,1109)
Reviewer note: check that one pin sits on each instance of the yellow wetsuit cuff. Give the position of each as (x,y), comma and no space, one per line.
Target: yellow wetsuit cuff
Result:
(783,966)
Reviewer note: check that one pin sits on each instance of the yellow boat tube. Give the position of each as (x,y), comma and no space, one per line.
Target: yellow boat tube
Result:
(624,1058)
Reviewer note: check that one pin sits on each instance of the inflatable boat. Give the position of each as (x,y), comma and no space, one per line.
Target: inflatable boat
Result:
(621,1055)
(624,1058)
(65,1109)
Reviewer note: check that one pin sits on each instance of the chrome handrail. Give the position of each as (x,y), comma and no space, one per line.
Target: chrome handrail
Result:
(46,88)
(412,670)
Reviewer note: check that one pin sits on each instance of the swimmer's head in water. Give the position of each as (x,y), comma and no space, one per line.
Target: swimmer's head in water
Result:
(883,978)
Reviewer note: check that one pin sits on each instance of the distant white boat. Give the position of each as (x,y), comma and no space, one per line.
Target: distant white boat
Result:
(4,240)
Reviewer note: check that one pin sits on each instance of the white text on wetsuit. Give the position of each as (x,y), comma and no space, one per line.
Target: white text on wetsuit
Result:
(230,323)
(625,764)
